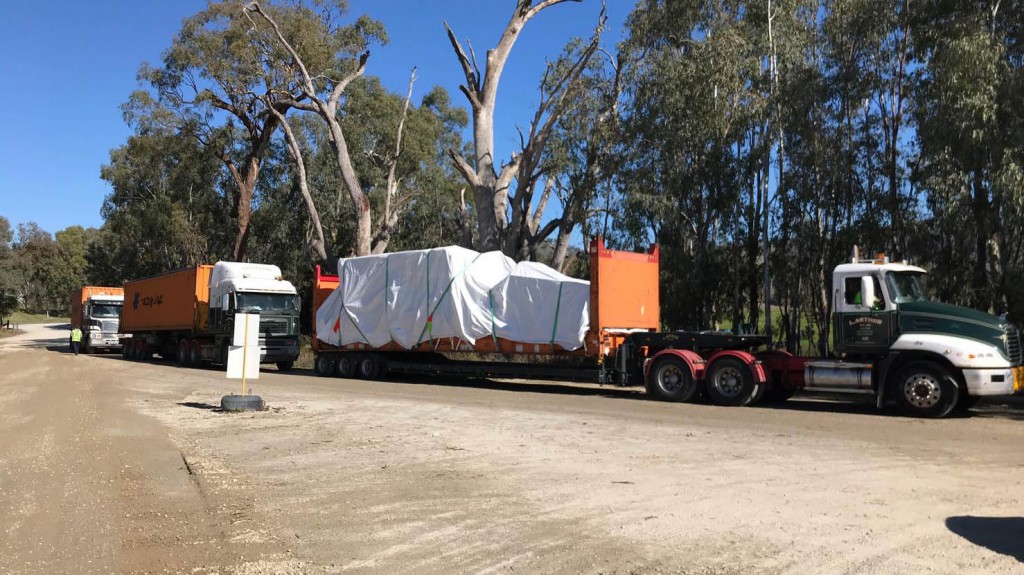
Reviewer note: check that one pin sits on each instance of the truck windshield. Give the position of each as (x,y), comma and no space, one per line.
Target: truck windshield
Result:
(267,302)
(105,310)
(907,286)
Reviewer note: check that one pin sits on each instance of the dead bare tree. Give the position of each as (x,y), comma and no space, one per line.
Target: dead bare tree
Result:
(491,184)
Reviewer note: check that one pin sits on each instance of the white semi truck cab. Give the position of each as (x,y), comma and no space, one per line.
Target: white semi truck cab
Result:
(893,342)
(237,287)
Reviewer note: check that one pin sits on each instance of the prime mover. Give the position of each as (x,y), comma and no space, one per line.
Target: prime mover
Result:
(188,315)
(96,310)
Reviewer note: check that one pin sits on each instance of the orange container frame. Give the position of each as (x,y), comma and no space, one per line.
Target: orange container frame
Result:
(624,298)
(174,301)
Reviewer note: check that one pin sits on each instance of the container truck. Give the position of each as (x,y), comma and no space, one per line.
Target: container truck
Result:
(188,314)
(891,343)
(96,310)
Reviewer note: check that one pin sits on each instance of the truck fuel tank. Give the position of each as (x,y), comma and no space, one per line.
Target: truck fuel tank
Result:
(843,376)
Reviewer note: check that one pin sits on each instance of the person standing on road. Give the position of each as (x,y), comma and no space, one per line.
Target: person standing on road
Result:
(76,339)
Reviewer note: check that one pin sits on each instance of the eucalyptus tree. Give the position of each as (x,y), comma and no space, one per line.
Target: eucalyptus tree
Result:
(491,183)
(317,80)
(969,122)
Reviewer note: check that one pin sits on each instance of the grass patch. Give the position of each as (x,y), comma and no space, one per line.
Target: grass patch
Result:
(9,332)
(20,317)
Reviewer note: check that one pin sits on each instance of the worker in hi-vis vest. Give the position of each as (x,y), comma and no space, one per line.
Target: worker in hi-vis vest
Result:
(76,339)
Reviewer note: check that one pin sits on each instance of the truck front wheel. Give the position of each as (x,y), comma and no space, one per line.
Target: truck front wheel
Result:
(729,382)
(670,380)
(925,389)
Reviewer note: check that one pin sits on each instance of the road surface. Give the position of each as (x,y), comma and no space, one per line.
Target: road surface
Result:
(110,466)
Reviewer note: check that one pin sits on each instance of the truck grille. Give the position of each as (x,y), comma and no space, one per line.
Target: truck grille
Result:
(109,326)
(1013,345)
(274,326)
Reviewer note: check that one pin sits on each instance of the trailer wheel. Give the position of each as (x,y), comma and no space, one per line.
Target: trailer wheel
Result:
(925,389)
(346,366)
(729,382)
(670,380)
(182,356)
(324,365)
(285,365)
(368,367)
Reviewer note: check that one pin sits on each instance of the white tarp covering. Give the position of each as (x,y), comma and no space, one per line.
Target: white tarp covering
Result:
(536,304)
(390,297)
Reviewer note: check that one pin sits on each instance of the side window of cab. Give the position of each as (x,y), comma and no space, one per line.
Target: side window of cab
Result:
(855,298)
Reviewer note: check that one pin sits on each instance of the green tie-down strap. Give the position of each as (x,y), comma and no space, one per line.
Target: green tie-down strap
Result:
(494,328)
(428,328)
(558,307)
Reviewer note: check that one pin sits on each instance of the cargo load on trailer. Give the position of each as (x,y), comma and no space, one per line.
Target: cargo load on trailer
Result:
(401,300)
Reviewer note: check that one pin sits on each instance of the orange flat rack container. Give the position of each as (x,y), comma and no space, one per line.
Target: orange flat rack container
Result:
(623,298)
(174,301)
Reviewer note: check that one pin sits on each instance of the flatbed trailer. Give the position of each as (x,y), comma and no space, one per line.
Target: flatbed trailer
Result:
(622,347)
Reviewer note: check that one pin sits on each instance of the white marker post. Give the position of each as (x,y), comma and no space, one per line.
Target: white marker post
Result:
(244,362)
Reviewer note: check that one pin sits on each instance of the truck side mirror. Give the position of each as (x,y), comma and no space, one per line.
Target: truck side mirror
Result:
(225,302)
(867,291)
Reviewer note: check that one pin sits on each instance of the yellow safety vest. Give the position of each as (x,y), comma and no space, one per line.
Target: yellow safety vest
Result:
(76,335)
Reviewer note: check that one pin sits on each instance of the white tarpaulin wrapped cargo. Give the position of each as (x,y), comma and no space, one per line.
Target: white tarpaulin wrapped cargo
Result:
(536,304)
(415,296)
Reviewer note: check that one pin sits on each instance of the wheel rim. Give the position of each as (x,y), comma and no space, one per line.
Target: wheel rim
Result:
(366,367)
(728,381)
(922,390)
(671,379)
(344,366)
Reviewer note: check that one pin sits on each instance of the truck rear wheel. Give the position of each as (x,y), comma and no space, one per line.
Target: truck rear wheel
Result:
(181,358)
(195,357)
(670,380)
(729,382)
(925,389)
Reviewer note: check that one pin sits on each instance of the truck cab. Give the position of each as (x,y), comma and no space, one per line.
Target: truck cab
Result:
(258,289)
(97,312)
(891,340)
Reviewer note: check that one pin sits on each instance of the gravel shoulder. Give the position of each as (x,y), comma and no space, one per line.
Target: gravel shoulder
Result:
(108,466)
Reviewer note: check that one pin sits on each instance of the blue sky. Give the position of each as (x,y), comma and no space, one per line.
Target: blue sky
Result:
(68,66)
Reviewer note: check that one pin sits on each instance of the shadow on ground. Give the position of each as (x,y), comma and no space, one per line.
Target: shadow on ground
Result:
(199,405)
(1004,535)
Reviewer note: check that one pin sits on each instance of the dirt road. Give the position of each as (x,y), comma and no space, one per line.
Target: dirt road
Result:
(109,466)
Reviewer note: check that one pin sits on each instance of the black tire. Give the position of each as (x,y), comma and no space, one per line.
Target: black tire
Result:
(242,403)
(324,365)
(285,365)
(670,380)
(729,382)
(368,367)
(346,367)
(195,358)
(181,358)
(925,389)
